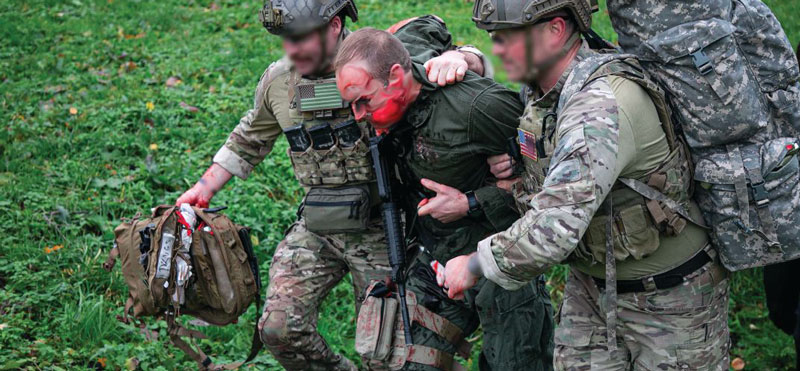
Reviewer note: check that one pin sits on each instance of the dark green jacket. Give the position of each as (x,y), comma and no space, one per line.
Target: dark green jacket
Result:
(448,134)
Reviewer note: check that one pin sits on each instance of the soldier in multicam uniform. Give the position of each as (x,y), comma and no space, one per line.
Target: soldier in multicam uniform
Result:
(297,96)
(442,138)
(605,189)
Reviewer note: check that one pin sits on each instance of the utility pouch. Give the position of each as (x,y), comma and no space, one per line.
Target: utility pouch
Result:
(322,137)
(298,138)
(376,321)
(336,210)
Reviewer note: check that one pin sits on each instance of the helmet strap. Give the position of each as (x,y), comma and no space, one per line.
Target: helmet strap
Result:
(534,70)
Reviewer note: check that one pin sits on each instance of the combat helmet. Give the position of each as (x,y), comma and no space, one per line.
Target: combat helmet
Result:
(299,17)
(492,15)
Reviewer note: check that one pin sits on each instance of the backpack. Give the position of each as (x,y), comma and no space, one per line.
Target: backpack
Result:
(731,80)
(190,261)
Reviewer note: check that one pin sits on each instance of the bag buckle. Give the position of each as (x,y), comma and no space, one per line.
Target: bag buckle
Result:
(702,62)
(760,195)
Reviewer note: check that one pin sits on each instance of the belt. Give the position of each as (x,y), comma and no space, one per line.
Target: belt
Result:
(671,278)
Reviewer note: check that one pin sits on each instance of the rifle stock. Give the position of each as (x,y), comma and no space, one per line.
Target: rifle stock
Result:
(392,227)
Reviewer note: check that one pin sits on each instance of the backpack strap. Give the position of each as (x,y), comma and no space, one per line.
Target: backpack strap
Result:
(760,196)
(204,362)
(650,193)
(112,258)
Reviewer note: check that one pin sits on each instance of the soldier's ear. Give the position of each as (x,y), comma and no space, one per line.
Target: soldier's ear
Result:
(335,26)
(396,75)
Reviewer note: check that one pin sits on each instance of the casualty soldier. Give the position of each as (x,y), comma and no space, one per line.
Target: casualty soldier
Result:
(442,138)
(605,188)
(297,96)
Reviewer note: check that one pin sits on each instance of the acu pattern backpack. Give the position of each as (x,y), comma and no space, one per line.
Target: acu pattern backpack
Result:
(731,78)
(190,261)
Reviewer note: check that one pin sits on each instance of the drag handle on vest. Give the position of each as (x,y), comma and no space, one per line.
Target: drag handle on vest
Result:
(513,149)
(392,227)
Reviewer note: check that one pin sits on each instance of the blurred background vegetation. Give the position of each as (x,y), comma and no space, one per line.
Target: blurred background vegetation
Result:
(110,107)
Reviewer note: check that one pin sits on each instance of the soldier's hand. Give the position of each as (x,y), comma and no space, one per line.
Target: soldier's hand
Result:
(448,68)
(199,195)
(507,184)
(449,204)
(501,166)
(457,277)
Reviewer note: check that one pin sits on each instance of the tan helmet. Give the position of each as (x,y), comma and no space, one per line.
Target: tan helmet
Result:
(299,17)
(492,15)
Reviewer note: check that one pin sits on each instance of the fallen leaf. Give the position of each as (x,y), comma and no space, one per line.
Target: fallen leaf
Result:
(150,106)
(3,326)
(737,364)
(53,89)
(102,361)
(172,81)
(127,66)
(212,89)
(137,36)
(153,147)
(132,363)
(188,107)
(73,111)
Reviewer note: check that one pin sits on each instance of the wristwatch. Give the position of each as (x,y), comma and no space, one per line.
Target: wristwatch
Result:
(474,205)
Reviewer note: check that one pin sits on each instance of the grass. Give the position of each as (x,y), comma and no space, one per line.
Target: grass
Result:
(91,134)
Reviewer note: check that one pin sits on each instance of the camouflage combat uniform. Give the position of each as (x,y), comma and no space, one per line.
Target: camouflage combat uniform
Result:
(446,136)
(593,133)
(306,265)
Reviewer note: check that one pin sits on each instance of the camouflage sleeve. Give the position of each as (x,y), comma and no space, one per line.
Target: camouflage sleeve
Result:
(254,136)
(583,168)
(493,118)
(425,37)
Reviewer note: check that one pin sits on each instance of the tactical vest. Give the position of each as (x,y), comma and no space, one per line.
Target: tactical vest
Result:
(328,148)
(643,208)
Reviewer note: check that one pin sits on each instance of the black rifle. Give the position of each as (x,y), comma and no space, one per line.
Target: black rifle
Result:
(392,226)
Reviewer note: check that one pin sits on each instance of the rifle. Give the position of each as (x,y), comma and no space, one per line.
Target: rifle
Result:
(392,227)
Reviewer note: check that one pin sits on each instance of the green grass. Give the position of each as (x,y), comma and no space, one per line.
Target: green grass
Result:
(91,134)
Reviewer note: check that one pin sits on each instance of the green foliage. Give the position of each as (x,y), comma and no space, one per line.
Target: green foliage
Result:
(93,134)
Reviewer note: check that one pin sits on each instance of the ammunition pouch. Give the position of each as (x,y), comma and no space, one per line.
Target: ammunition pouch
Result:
(335,166)
(337,210)
(379,332)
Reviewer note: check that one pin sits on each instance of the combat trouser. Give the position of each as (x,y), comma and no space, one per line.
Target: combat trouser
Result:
(680,328)
(517,325)
(305,268)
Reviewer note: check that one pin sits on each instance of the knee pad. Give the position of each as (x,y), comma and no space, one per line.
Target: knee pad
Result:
(274,328)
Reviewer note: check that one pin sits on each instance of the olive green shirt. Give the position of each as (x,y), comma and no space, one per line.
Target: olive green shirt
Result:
(449,134)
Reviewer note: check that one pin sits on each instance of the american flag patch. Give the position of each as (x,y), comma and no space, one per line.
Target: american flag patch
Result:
(527,144)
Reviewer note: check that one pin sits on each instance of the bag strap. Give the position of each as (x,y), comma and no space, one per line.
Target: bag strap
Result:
(176,332)
(112,258)
(432,357)
(444,328)
(651,193)
(611,278)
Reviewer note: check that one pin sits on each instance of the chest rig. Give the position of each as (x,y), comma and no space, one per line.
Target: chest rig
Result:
(641,209)
(328,148)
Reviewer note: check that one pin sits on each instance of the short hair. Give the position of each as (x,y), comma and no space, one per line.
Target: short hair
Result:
(378,48)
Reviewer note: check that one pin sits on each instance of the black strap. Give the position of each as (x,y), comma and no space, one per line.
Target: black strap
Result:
(664,280)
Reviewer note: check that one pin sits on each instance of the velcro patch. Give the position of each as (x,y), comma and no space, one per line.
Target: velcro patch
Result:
(527,144)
